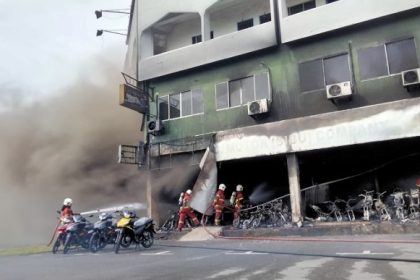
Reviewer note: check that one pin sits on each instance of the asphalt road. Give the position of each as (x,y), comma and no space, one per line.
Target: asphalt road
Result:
(229,259)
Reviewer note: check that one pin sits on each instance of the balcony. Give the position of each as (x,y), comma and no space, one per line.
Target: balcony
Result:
(336,15)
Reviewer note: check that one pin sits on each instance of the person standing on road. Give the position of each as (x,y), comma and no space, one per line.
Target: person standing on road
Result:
(186,210)
(218,204)
(239,198)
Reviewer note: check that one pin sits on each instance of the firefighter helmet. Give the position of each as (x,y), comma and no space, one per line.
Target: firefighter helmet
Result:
(239,188)
(67,202)
(222,187)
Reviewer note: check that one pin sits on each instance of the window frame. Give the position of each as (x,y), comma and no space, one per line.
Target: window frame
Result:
(269,97)
(181,116)
(322,59)
(245,21)
(383,45)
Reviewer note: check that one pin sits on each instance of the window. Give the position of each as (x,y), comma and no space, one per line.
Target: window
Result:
(301,7)
(237,92)
(265,18)
(181,104)
(318,73)
(384,60)
(196,39)
(245,24)
(330,1)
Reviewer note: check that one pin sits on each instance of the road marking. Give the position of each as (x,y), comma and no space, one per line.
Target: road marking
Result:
(244,253)
(366,252)
(157,253)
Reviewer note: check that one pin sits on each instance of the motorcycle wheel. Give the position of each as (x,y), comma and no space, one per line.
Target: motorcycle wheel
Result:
(67,244)
(118,242)
(147,240)
(94,243)
(126,241)
(57,244)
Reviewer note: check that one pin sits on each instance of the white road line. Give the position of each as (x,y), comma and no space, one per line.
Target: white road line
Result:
(244,253)
(157,253)
(366,252)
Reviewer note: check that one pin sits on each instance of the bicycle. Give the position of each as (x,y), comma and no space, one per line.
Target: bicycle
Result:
(381,208)
(367,203)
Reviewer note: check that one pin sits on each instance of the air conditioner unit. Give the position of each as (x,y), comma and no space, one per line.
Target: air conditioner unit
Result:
(411,77)
(258,107)
(339,90)
(155,127)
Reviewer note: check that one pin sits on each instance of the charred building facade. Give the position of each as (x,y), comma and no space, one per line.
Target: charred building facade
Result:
(290,93)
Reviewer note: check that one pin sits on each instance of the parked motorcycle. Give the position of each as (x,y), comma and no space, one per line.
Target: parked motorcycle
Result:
(61,234)
(77,233)
(132,230)
(103,233)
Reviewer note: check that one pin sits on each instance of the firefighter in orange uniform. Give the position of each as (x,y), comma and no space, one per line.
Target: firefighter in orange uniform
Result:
(185,210)
(219,203)
(239,198)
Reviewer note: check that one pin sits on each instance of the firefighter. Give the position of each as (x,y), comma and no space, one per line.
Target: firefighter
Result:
(66,211)
(239,198)
(185,210)
(218,204)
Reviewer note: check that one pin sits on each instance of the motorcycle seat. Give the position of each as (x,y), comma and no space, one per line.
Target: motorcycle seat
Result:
(142,221)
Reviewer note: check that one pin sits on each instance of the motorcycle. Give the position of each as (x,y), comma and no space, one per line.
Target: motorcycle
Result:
(131,230)
(61,234)
(77,233)
(103,233)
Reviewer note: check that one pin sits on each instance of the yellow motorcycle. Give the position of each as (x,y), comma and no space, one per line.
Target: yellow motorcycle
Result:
(132,230)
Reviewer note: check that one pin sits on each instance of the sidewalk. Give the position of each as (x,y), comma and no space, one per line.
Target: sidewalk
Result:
(319,229)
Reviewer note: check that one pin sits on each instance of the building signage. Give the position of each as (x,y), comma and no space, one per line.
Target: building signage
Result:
(382,122)
(134,98)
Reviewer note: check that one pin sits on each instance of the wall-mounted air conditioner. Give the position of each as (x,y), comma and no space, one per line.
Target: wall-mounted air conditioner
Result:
(258,107)
(155,127)
(339,90)
(410,77)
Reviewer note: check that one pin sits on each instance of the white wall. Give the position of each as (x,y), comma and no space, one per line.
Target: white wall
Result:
(182,33)
(336,15)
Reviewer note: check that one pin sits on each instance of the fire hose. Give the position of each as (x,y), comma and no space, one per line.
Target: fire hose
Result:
(53,235)
(303,239)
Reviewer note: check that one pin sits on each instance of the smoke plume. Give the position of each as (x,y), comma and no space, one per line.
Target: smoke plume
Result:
(64,147)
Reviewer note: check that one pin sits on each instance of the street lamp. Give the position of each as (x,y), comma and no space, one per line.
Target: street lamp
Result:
(98,13)
(99,32)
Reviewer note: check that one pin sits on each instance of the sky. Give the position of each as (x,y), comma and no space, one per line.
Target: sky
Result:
(45,43)
(60,119)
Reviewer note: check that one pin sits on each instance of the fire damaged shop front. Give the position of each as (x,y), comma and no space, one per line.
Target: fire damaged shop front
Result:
(338,156)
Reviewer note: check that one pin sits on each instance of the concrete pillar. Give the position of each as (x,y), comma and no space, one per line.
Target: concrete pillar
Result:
(152,209)
(294,187)
(205,27)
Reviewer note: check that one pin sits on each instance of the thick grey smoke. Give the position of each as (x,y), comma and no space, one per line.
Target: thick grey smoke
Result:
(64,147)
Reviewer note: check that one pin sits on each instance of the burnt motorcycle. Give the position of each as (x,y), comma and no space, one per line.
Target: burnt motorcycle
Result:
(131,230)
(77,233)
(103,233)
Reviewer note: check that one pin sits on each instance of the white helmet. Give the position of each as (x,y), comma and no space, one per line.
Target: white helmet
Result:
(239,188)
(222,187)
(189,191)
(68,202)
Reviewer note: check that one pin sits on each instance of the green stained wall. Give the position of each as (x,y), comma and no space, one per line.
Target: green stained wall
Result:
(288,102)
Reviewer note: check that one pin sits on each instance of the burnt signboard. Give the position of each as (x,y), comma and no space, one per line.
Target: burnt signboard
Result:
(134,98)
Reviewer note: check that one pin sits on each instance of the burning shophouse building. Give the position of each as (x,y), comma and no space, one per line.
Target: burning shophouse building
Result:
(277,95)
